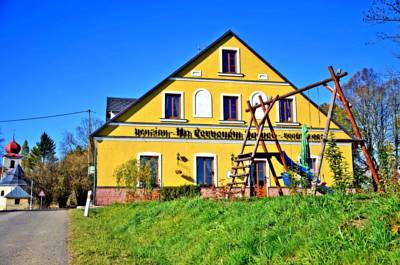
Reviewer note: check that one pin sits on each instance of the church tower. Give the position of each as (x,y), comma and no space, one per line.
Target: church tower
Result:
(12,159)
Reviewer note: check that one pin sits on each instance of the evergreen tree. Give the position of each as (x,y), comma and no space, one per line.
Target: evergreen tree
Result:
(338,166)
(25,154)
(25,148)
(34,157)
(46,148)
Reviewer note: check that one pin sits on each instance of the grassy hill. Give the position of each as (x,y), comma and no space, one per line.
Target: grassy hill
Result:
(361,229)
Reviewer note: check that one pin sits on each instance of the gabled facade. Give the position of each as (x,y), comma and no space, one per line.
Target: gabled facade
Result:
(192,124)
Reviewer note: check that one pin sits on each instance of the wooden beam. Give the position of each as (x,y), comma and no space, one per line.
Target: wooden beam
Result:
(322,82)
(323,142)
(346,105)
(263,145)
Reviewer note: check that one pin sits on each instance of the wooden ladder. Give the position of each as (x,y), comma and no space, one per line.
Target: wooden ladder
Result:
(244,161)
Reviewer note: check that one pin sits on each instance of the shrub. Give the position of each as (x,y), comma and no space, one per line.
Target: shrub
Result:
(132,174)
(338,166)
(172,193)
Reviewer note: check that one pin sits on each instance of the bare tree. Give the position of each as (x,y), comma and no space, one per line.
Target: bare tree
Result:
(384,12)
(80,139)
(376,109)
(393,88)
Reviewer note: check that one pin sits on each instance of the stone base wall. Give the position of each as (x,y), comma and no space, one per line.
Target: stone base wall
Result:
(110,195)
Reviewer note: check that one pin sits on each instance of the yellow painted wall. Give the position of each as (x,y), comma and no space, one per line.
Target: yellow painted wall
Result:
(250,65)
(151,110)
(117,142)
(111,153)
(23,204)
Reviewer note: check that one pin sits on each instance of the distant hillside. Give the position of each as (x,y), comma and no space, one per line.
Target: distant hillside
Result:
(287,230)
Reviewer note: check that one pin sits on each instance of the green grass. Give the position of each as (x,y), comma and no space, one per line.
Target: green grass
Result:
(288,230)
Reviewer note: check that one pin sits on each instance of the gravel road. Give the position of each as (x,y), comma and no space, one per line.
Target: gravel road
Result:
(34,237)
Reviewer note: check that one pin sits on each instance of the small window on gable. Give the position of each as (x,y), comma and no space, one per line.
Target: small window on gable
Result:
(12,164)
(202,104)
(2,193)
(286,110)
(231,107)
(255,100)
(173,104)
(230,60)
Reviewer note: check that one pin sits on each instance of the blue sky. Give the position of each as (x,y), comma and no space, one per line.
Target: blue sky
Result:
(66,56)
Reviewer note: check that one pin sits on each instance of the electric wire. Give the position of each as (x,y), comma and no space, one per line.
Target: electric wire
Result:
(47,116)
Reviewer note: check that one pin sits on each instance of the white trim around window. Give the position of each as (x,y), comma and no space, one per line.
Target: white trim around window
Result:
(259,112)
(214,156)
(239,120)
(195,113)
(294,122)
(159,173)
(238,73)
(182,116)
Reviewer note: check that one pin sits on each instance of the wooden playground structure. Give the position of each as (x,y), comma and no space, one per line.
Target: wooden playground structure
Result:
(241,171)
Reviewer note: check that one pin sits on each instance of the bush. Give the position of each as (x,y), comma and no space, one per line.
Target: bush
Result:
(172,193)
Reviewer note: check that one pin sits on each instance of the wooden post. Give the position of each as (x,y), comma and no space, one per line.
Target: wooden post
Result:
(375,176)
(323,143)
(271,166)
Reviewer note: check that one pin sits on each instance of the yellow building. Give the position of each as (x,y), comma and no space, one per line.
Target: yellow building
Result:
(192,124)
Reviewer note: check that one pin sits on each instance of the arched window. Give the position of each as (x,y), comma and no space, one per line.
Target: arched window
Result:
(254,99)
(202,104)
(2,193)
(12,164)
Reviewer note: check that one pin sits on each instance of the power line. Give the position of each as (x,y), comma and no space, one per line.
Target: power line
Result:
(47,116)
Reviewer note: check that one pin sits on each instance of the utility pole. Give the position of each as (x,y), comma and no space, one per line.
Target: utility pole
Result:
(89,155)
(89,132)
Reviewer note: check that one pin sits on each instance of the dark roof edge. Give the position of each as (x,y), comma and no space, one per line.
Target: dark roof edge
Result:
(122,98)
(229,32)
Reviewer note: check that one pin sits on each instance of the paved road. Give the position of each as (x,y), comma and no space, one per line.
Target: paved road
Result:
(36,237)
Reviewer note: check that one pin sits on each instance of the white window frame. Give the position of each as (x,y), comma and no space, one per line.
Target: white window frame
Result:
(238,71)
(252,95)
(195,115)
(239,120)
(182,116)
(294,122)
(214,156)
(159,175)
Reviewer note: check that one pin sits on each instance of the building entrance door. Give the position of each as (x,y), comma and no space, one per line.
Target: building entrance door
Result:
(259,179)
